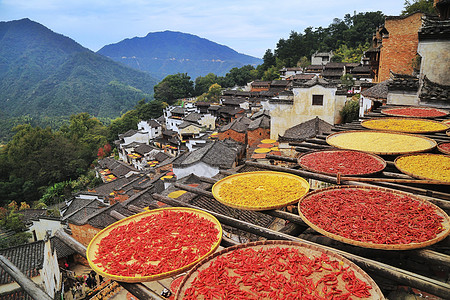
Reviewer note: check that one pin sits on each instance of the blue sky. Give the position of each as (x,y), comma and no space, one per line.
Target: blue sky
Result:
(248,26)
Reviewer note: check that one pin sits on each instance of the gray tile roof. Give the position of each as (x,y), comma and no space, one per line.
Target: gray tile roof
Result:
(77,217)
(161,156)
(238,125)
(213,154)
(432,91)
(187,124)
(315,81)
(193,117)
(178,110)
(378,91)
(129,133)
(62,250)
(143,149)
(261,122)
(102,218)
(305,130)
(28,258)
(153,123)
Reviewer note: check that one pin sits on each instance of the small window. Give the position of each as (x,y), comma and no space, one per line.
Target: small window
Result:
(317,100)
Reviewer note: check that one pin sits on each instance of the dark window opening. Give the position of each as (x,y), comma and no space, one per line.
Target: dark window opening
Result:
(317,100)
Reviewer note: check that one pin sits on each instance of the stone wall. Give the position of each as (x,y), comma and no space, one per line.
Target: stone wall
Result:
(255,136)
(240,137)
(84,234)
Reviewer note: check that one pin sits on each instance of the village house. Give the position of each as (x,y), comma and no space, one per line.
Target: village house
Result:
(321,58)
(259,128)
(38,262)
(207,161)
(285,73)
(394,46)
(316,97)
(153,128)
(235,130)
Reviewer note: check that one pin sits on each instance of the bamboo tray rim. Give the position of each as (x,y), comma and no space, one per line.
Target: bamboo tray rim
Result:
(442,150)
(432,142)
(304,248)
(439,211)
(216,188)
(93,244)
(412,174)
(446,126)
(374,156)
(386,112)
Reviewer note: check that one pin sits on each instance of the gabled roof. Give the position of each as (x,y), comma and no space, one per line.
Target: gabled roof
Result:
(143,149)
(402,82)
(378,91)
(129,133)
(193,117)
(261,122)
(233,101)
(153,123)
(361,69)
(123,169)
(187,124)
(161,156)
(177,110)
(315,81)
(305,130)
(260,114)
(78,216)
(28,258)
(302,77)
(279,83)
(62,250)
(213,154)
(102,218)
(238,125)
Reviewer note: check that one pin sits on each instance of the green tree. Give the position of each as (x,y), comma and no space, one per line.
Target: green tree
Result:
(214,93)
(202,84)
(57,193)
(174,87)
(241,76)
(349,54)
(425,6)
(350,111)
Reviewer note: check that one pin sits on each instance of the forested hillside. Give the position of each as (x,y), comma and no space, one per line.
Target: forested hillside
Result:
(45,77)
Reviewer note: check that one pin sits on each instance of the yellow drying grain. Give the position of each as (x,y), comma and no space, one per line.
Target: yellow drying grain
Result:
(405,125)
(426,166)
(380,142)
(261,190)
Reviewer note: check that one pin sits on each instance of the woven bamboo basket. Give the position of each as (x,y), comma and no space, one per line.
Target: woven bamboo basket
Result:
(368,156)
(235,203)
(306,249)
(391,112)
(94,244)
(439,211)
(439,147)
(381,136)
(416,175)
(442,126)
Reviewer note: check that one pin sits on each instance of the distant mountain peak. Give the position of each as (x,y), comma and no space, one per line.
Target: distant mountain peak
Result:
(168,52)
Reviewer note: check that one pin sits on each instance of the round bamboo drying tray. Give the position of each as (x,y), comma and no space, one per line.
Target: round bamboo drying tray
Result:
(394,112)
(277,194)
(308,250)
(380,142)
(440,236)
(439,147)
(368,156)
(433,168)
(407,125)
(91,252)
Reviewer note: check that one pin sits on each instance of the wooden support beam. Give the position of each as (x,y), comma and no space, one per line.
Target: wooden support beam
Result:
(28,285)
(137,289)
(423,283)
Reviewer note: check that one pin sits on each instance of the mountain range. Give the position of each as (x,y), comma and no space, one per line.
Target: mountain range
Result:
(169,52)
(44,74)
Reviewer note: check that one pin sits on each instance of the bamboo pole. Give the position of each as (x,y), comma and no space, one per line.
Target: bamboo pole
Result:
(423,283)
(426,194)
(29,286)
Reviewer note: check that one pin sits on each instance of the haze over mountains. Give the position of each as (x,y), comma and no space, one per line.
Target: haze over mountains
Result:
(46,74)
(169,52)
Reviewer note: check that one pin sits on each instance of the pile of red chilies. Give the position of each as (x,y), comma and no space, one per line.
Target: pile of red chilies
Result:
(342,161)
(416,112)
(372,216)
(156,244)
(275,273)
